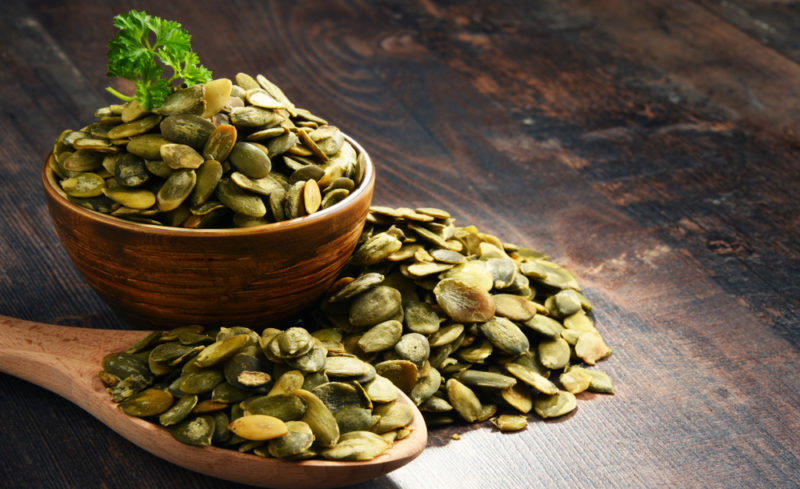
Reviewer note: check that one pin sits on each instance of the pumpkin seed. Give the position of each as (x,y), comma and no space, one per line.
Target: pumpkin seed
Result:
(176,189)
(463,301)
(220,143)
(509,422)
(150,402)
(238,200)
(84,185)
(196,431)
(464,401)
(179,156)
(575,381)
(554,353)
(590,347)
(295,442)
(556,405)
(320,419)
(179,411)
(188,129)
(532,378)
(250,160)
(381,337)
(258,427)
(133,198)
(505,335)
(221,350)
(374,306)
(287,407)
(357,445)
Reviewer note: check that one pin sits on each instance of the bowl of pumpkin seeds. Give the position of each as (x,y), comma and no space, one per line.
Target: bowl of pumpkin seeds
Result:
(227,204)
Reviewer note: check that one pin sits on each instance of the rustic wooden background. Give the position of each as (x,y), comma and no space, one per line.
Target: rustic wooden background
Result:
(652,147)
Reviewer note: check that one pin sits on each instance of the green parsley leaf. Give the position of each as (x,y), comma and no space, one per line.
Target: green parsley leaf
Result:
(144,46)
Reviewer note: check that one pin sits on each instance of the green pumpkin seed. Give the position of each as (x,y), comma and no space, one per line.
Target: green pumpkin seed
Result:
(376,305)
(132,198)
(134,128)
(420,317)
(382,336)
(514,307)
(222,349)
(287,407)
(288,383)
(339,395)
(312,361)
(505,335)
(220,143)
(200,382)
(599,381)
(532,378)
(320,419)
(360,284)
(590,347)
(446,335)
(180,156)
(176,189)
(518,397)
(413,347)
(208,176)
(509,422)
(357,445)
(463,301)
(464,401)
(343,366)
(375,249)
(545,326)
(148,146)
(184,101)
(253,117)
(240,201)
(84,185)
(553,353)
(381,389)
(150,402)
(485,380)
(575,381)
(158,168)
(83,161)
(295,442)
(555,405)
(188,129)
(282,143)
(427,385)
(333,197)
(250,160)
(196,431)
(579,321)
(179,411)
(262,186)
(401,373)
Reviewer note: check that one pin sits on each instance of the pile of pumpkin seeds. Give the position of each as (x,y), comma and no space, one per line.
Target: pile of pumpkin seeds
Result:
(279,394)
(219,154)
(470,327)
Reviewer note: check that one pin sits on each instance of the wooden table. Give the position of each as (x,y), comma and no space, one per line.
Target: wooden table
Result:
(652,147)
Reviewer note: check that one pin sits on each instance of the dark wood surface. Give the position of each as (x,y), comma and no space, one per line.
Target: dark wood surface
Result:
(652,147)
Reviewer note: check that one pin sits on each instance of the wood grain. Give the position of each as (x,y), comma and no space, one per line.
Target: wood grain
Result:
(651,147)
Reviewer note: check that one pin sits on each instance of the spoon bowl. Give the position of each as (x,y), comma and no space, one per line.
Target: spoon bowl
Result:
(66,360)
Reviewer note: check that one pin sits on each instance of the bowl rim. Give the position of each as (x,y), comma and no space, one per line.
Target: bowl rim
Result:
(54,191)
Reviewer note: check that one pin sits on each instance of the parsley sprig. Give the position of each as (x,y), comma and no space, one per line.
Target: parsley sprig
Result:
(144,46)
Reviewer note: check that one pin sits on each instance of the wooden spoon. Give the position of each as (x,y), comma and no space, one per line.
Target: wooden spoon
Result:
(66,361)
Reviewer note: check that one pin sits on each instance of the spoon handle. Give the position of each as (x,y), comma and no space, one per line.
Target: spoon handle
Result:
(61,359)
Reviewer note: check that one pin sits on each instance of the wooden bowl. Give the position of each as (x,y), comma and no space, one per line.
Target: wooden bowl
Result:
(163,277)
